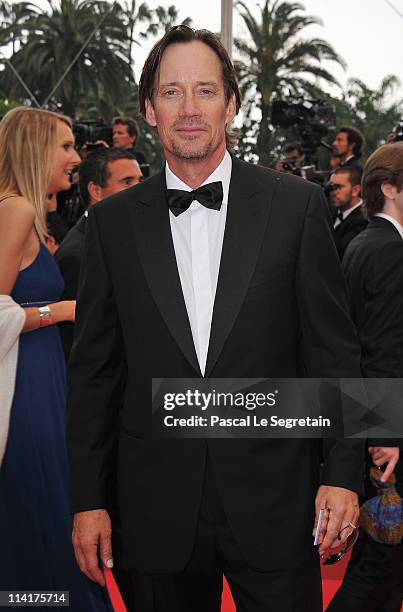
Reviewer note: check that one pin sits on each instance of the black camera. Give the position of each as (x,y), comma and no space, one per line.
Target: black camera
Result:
(398,131)
(89,131)
(287,166)
(311,120)
(329,187)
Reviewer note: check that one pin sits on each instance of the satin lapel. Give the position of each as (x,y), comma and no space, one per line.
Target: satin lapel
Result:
(249,205)
(150,221)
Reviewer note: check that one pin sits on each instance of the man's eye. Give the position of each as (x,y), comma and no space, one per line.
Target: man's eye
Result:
(170,93)
(206,92)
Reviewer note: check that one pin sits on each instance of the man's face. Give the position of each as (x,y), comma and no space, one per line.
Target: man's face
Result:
(121,137)
(341,146)
(342,197)
(294,158)
(189,107)
(123,173)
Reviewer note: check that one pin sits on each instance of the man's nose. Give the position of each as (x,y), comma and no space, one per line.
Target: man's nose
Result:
(189,105)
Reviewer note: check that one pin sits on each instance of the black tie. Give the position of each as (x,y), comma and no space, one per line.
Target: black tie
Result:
(340,214)
(209,195)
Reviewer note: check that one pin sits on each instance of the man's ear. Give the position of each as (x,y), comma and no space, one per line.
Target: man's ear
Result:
(95,191)
(150,114)
(389,191)
(356,191)
(231,109)
(52,244)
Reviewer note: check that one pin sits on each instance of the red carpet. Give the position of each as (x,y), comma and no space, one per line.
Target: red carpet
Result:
(331,578)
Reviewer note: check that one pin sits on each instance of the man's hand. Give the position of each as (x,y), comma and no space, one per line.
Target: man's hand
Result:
(384,454)
(343,509)
(90,530)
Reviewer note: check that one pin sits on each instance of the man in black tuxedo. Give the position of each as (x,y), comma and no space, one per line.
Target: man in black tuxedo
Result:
(345,197)
(373,264)
(103,173)
(348,146)
(165,294)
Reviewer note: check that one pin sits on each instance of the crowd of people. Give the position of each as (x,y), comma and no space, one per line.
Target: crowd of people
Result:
(210,268)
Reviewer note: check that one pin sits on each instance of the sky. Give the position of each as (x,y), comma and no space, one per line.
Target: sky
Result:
(368,34)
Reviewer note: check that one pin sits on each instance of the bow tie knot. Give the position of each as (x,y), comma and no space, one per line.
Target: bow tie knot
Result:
(210,196)
(339,214)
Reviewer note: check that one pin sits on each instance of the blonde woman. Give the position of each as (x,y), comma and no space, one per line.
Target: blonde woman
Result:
(37,156)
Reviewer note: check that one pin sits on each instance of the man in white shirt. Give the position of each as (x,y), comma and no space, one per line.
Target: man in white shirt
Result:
(348,146)
(345,197)
(212,268)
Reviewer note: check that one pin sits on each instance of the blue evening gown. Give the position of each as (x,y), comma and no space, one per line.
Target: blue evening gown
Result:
(35,522)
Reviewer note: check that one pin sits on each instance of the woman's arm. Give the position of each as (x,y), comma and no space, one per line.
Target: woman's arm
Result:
(17,217)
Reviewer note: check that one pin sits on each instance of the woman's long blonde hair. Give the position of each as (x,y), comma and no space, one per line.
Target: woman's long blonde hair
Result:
(28,140)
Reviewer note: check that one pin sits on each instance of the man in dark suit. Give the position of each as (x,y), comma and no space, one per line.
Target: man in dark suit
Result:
(345,197)
(103,173)
(348,146)
(125,132)
(373,264)
(164,293)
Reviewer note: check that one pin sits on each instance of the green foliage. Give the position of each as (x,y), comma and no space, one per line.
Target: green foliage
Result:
(372,111)
(49,43)
(6,105)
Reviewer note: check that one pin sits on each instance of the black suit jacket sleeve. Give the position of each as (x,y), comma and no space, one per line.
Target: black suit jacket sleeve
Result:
(330,346)
(69,266)
(99,359)
(382,332)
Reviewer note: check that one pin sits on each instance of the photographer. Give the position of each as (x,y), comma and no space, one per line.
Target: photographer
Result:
(292,160)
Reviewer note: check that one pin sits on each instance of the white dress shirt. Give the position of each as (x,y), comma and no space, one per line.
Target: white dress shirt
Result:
(198,235)
(393,222)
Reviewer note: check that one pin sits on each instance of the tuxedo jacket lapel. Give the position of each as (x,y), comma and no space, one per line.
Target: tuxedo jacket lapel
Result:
(151,226)
(249,206)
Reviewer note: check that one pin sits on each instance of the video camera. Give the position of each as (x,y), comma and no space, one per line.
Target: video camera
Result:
(89,131)
(312,120)
(398,131)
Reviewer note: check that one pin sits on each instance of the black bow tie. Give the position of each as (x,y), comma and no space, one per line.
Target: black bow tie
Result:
(209,195)
(340,214)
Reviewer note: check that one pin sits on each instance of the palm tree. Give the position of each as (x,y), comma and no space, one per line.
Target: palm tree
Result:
(166,17)
(134,14)
(278,60)
(373,110)
(50,45)
(12,19)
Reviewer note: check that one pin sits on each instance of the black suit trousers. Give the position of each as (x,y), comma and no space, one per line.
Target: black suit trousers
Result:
(374,579)
(199,587)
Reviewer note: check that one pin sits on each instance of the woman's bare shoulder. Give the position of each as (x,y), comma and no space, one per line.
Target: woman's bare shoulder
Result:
(17,210)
